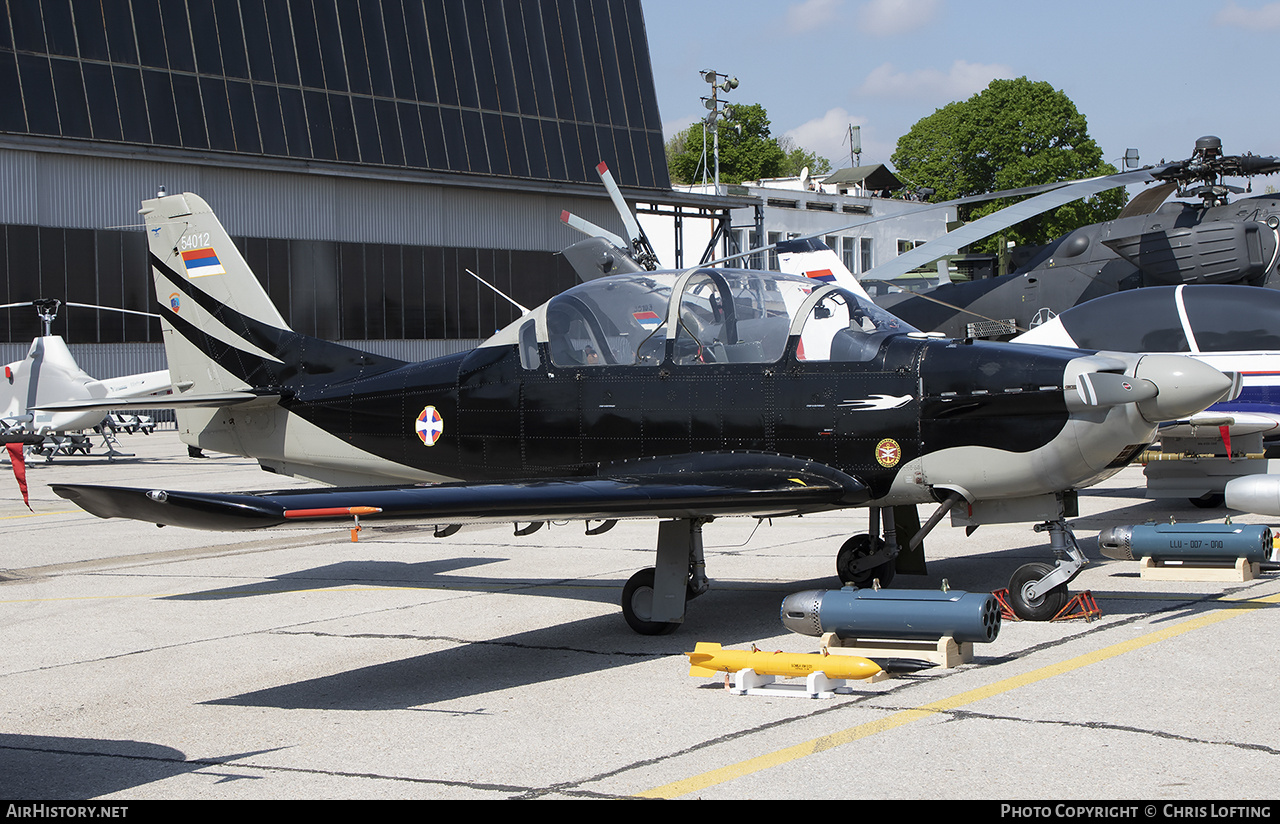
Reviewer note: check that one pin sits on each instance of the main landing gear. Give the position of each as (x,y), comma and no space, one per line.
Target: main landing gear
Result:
(653,600)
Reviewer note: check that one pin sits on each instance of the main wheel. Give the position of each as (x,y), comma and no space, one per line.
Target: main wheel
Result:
(637,605)
(1042,608)
(856,548)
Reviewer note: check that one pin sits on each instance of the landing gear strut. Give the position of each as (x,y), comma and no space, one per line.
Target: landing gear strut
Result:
(859,562)
(865,559)
(653,599)
(1038,592)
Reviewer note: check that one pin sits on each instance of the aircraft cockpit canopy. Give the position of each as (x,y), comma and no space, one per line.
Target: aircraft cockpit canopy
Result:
(700,316)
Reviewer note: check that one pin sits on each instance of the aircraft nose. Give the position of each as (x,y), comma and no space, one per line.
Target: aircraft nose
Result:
(1184,385)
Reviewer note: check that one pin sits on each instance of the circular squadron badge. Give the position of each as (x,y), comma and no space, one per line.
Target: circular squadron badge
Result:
(429,426)
(888,453)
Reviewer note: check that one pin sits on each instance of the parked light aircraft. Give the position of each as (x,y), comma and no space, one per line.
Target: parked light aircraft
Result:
(1232,328)
(681,396)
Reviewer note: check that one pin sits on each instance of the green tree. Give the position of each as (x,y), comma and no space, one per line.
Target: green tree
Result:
(796,158)
(1014,133)
(747,151)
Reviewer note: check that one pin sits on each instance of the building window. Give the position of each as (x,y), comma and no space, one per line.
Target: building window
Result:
(867,263)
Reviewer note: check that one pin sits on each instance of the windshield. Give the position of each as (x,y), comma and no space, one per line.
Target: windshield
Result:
(700,317)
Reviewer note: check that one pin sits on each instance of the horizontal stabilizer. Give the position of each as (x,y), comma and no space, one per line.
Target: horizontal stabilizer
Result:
(211,400)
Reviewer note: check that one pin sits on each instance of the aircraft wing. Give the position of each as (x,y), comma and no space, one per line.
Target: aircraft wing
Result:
(984,227)
(704,485)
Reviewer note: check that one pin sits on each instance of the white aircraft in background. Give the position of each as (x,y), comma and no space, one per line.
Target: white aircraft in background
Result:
(49,375)
(1232,328)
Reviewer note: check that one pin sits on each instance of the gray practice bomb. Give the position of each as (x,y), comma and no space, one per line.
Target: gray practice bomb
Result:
(1186,542)
(911,615)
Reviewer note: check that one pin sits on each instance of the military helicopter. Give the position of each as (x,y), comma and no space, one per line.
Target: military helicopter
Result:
(1210,241)
(683,396)
(50,374)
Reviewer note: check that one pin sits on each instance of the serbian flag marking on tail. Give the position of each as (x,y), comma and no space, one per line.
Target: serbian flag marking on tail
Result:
(202,262)
(648,320)
(430,426)
(823,275)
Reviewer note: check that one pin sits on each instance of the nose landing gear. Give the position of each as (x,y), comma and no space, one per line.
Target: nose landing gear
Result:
(1038,592)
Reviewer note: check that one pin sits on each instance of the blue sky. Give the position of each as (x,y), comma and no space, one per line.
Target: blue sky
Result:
(1149,75)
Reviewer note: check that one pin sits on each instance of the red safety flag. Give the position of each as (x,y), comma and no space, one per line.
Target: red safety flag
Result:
(19,470)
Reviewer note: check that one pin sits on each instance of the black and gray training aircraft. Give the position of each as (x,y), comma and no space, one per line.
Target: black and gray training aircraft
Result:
(682,396)
(1208,241)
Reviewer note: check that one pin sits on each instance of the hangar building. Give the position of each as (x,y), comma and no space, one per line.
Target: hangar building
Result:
(362,155)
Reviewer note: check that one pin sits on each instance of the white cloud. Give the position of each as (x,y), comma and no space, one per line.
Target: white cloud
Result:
(963,80)
(828,136)
(1264,17)
(812,15)
(890,17)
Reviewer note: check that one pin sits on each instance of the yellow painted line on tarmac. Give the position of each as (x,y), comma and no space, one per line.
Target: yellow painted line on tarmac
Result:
(38,514)
(904,717)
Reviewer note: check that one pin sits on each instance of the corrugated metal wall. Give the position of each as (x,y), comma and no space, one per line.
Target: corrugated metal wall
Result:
(85,192)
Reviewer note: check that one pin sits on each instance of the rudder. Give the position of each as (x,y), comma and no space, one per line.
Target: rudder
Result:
(197,271)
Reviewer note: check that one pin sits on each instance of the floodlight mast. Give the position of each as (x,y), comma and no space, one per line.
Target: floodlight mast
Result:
(713,119)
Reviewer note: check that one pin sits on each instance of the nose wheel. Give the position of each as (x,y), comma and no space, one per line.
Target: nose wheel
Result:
(1026,602)
(1038,592)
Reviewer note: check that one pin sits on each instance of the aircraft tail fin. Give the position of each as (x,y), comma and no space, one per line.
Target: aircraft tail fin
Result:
(814,259)
(222,332)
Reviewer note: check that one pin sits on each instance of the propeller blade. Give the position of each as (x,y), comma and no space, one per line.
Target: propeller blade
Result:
(615,194)
(1147,201)
(112,309)
(640,247)
(590,229)
(984,227)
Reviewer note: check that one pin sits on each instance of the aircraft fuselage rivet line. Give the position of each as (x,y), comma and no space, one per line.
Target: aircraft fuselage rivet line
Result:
(904,717)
